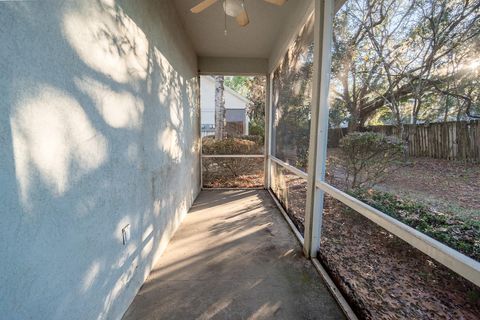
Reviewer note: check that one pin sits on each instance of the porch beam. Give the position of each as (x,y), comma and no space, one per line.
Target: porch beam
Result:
(232,66)
(268,132)
(323,31)
(200,132)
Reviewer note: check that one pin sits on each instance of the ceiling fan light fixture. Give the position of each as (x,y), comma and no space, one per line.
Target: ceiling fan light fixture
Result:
(233,8)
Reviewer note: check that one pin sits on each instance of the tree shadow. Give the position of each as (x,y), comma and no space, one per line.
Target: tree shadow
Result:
(75,79)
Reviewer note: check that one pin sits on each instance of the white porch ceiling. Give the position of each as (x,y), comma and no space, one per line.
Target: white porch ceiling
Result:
(256,40)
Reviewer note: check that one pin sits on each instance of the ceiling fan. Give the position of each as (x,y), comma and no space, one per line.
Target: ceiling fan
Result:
(232,8)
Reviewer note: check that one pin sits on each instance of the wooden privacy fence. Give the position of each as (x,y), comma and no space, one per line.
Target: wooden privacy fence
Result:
(445,140)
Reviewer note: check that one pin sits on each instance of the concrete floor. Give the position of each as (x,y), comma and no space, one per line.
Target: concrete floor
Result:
(234,257)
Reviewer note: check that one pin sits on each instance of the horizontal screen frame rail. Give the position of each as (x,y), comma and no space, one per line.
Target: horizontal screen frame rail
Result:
(289,167)
(233,156)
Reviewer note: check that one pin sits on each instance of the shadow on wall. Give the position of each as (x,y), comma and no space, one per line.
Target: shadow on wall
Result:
(98,130)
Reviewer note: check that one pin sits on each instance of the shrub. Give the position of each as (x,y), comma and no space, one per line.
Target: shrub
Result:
(255,138)
(242,145)
(257,128)
(231,168)
(367,156)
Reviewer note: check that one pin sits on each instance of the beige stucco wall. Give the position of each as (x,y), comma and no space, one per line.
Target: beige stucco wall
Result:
(99,129)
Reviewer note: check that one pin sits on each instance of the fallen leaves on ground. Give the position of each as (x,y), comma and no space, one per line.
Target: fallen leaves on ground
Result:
(386,278)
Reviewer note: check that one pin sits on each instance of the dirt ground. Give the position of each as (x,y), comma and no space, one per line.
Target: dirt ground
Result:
(446,185)
(384,277)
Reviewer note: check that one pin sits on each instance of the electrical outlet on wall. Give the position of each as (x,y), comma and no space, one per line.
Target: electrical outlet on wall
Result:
(126,234)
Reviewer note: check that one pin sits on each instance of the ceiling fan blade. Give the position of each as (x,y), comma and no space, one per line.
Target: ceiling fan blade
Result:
(277,2)
(242,18)
(202,6)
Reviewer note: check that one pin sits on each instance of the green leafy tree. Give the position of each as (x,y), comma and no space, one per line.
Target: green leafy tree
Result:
(238,83)
(397,54)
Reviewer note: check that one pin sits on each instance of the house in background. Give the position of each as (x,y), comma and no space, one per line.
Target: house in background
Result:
(236,105)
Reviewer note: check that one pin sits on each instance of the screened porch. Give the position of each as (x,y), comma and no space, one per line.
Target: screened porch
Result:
(345,185)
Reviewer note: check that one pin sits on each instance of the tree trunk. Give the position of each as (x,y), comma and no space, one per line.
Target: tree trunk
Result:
(354,122)
(447,109)
(415,111)
(219,108)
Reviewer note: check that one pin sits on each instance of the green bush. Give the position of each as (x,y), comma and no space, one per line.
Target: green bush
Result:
(367,156)
(257,128)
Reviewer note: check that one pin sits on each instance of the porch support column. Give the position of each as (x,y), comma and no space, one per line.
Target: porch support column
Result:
(268,132)
(200,132)
(323,32)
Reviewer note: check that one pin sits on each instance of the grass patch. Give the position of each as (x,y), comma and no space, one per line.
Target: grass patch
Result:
(460,233)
